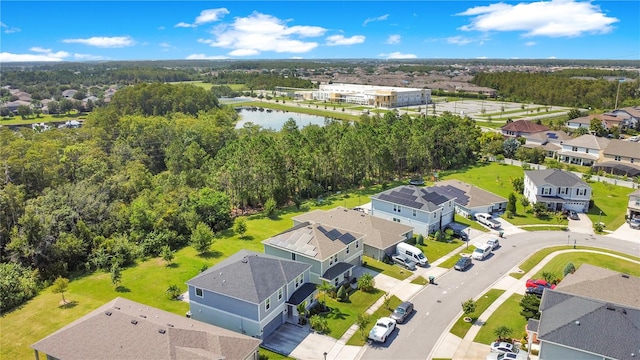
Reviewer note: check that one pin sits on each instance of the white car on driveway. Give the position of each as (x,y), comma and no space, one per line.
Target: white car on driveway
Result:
(487,220)
(383,328)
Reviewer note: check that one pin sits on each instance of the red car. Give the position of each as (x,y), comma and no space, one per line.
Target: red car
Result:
(531,283)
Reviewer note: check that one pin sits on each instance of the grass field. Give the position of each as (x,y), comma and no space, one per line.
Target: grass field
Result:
(507,314)
(460,328)
(394,271)
(44,118)
(344,314)
(312,110)
(557,264)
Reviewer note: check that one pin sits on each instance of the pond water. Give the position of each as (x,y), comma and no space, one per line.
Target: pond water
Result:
(275,119)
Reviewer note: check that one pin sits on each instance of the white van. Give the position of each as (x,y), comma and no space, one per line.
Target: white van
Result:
(413,253)
(481,252)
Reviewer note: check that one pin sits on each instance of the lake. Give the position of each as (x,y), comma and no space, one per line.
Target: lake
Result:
(275,119)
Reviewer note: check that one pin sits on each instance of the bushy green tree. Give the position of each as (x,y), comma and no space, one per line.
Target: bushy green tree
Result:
(503,332)
(363,321)
(167,254)
(60,286)
(569,269)
(530,305)
(270,207)
(201,238)
(468,307)
(366,282)
(511,204)
(240,226)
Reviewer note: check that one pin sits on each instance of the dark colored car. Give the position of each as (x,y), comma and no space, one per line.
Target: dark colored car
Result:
(573,215)
(463,263)
(537,291)
(458,233)
(402,312)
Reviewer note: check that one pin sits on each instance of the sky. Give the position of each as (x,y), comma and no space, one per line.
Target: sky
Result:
(169,30)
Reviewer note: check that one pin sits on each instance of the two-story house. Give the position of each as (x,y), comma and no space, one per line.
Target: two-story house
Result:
(579,316)
(380,236)
(330,252)
(251,293)
(558,189)
(631,115)
(469,199)
(633,208)
(584,150)
(620,158)
(550,142)
(422,208)
(127,330)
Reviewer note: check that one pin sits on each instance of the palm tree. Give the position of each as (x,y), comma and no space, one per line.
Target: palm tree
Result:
(302,310)
(324,288)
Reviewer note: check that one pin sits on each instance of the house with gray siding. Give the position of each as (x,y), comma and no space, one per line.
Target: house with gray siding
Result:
(380,236)
(469,199)
(592,314)
(123,329)
(558,189)
(251,293)
(331,252)
(422,208)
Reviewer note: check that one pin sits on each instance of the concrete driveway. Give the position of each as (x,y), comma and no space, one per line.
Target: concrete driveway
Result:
(583,226)
(625,232)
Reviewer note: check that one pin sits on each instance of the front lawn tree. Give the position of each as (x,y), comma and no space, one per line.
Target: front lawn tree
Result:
(511,205)
(60,285)
(240,226)
(201,238)
(469,307)
(324,288)
(167,254)
(366,282)
(503,332)
(530,305)
(363,321)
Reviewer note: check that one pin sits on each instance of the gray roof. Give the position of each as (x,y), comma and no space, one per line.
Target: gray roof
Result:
(302,293)
(635,193)
(414,197)
(589,141)
(336,270)
(555,177)
(378,232)
(249,276)
(465,194)
(316,241)
(629,149)
(108,333)
(588,304)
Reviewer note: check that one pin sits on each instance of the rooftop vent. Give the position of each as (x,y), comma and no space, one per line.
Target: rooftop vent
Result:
(108,313)
(143,316)
(134,322)
(162,331)
(170,325)
(626,276)
(117,308)
(245,260)
(610,307)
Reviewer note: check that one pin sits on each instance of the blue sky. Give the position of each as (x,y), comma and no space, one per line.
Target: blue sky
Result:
(159,30)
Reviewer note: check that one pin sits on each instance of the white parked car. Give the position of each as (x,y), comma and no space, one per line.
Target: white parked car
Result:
(494,243)
(503,347)
(487,220)
(383,328)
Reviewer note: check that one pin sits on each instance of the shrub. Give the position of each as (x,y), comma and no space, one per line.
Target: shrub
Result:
(569,269)
(319,323)
(468,307)
(366,282)
(503,332)
(173,291)
(270,207)
(420,239)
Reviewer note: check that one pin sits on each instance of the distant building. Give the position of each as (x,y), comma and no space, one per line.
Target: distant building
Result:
(558,189)
(371,95)
(522,128)
(470,199)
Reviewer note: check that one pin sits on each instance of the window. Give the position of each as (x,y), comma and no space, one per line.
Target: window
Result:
(348,249)
(617,158)
(336,281)
(632,159)
(575,148)
(293,256)
(199,292)
(587,151)
(396,220)
(357,244)
(280,294)
(267,304)
(299,281)
(546,191)
(415,213)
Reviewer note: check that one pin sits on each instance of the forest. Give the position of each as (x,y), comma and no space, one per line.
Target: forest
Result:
(149,171)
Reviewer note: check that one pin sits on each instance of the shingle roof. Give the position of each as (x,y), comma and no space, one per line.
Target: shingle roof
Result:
(317,241)
(465,194)
(302,293)
(249,276)
(336,270)
(108,333)
(633,111)
(378,232)
(524,126)
(635,193)
(414,197)
(555,177)
(589,305)
(629,149)
(589,141)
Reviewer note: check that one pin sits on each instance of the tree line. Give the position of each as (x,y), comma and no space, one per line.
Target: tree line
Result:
(133,181)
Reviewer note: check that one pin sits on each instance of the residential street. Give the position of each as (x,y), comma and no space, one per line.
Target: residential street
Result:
(437,306)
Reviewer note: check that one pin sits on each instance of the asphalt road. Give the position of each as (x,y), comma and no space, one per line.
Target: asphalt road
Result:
(437,306)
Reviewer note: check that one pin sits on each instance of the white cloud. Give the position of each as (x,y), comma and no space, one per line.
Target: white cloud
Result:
(296,58)
(555,18)
(379,18)
(104,42)
(211,15)
(393,39)
(481,57)
(8,29)
(334,40)
(551,57)
(530,43)
(86,57)
(39,56)
(398,55)
(259,32)
(458,40)
(206,57)
(206,16)
(184,25)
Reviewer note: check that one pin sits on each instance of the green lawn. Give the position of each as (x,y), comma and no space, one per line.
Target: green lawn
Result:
(507,314)
(535,259)
(461,327)
(273,355)
(612,201)
(345,314)
(357,339)
(434,250)
(473,224)
(420,280)
(392,270)
(557,264)
(311,110)
(544,227)
(44,118)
